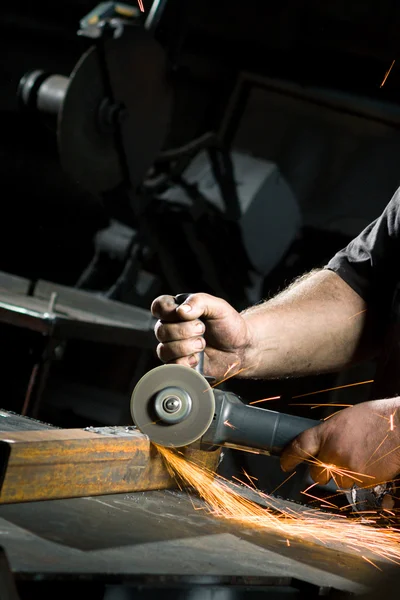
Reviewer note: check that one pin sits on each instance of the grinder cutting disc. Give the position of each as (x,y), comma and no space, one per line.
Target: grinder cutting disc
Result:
(187,383)
(140,82)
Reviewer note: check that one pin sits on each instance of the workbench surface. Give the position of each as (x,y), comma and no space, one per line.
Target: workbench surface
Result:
(159,533)
(153,534)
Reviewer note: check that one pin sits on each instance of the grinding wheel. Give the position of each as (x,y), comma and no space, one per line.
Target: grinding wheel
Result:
(187,383)
(139,78)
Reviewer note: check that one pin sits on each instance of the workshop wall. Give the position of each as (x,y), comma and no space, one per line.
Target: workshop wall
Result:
(343,169)
(355,43)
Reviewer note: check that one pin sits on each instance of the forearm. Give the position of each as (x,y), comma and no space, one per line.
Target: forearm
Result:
(314,326)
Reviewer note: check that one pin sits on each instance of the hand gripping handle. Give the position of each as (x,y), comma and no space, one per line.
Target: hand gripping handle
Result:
(180,299)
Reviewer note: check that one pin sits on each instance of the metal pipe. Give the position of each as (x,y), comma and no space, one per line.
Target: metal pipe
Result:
(155,13)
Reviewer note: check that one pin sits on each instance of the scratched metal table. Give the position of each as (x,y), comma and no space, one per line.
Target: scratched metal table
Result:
(65,313)
(61,313)
(156,538)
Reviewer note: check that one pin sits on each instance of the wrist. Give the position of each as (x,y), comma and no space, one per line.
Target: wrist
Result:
(251,351)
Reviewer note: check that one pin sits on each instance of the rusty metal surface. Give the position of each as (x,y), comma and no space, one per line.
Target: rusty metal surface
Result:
(159,534)
(70,463)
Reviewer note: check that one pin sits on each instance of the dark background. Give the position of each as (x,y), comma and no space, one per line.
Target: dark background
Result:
(48,222)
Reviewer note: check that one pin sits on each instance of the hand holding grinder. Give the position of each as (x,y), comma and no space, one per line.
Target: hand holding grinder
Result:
(176,406)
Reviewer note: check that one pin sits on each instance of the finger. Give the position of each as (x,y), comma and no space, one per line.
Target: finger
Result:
(164,307)
(320,475)
(172,350)
(304,447)
(388,502)
(187,361)
(204,306)
(344,482)
(171,332)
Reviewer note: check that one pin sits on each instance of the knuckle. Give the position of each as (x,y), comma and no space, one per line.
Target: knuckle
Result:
(317,475)
(183,331)
(159,351)
(189,346)
(171,351)
(197,327)
(159,331)
(297,445)
(172,332)
(181,361)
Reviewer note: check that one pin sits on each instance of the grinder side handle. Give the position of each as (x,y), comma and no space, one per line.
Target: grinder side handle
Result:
(180,299)
(248,426)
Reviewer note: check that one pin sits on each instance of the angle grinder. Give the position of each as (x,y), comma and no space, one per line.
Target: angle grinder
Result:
(177,406)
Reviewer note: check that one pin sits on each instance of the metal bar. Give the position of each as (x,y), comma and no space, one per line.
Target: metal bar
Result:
(74,328)
(155,14)
(43,375)
(30,388)
(72,463)
(66,328)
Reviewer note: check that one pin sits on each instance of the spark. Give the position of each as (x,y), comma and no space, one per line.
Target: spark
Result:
(382,417)
(332,415)
(387,74)
(283,483)
(224,500)
(333,470)
(288,543)
(372,563)
(250,478)
(265,400)
(339,387)
(141,7)
(228,377)
(229,369)
(249,450)
(379,483)
(229,424)
(387,454)
(305,493)
(309,487)
(376,450)
(239,480)
(391,420)
(358,313)
(313,405)
(351,505)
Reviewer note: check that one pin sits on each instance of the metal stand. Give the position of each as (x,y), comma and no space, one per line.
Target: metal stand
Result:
(8,589)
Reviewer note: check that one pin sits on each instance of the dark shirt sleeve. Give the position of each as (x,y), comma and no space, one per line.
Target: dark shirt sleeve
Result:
(369,264)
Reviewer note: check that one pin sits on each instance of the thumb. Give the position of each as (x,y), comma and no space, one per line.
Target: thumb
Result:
(304,447)
(204,306)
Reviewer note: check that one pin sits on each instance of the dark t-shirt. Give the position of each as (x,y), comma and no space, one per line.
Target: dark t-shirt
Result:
(370,262)
(370,265)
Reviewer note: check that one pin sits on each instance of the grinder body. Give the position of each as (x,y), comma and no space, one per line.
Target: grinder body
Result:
(238,425)
(176,406)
